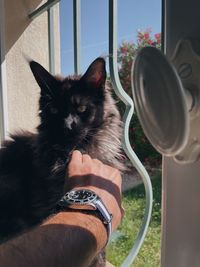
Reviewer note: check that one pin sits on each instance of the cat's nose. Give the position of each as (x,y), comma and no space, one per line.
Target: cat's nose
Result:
(70,122)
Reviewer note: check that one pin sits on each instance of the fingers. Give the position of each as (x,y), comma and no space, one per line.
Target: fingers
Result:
(86,159)
(79,158)
(98,162)
(104,180)
(76,157)
(75,164)
(84,164)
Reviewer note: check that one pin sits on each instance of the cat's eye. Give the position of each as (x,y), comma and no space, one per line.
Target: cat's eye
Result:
(81,109)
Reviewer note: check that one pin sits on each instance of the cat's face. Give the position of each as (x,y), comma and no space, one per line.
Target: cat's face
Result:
(74,104)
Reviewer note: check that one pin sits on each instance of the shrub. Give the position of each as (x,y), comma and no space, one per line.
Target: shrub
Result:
(126,54)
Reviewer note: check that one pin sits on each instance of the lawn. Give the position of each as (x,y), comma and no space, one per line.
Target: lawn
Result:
(134,202)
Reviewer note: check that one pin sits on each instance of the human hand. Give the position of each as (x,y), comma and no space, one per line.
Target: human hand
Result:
(105,181)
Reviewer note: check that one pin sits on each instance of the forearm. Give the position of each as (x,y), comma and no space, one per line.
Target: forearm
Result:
(67,239)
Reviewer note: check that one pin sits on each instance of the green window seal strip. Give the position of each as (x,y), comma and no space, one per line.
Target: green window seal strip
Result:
(125,142)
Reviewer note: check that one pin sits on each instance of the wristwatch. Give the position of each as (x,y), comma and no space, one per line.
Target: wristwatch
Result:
(85,200)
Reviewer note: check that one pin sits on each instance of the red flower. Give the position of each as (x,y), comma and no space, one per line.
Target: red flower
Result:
(157,36)
(133,146)
(124,49)
(146,35)
(151,42)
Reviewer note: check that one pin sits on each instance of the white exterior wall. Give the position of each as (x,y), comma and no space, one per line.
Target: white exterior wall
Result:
(30,38)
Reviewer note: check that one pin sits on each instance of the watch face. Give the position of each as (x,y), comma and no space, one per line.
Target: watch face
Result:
(81,196)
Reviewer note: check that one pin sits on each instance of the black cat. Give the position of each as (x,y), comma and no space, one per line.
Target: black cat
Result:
(75,113)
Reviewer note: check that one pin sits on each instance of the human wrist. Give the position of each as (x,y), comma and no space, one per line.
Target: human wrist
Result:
(89,222)
(87,202)
(92,224)
(62,236)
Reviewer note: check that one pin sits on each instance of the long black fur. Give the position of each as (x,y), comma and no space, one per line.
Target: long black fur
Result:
(33,166)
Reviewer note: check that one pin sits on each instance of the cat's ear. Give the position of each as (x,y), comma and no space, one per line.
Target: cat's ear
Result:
(45,80)
(95,75)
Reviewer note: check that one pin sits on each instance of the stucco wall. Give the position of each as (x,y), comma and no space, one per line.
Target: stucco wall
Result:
(30,38)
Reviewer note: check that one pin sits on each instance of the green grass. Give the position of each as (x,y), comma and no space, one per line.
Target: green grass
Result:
(134,202)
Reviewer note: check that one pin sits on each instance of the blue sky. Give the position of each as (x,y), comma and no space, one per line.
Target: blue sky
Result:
(132,15)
